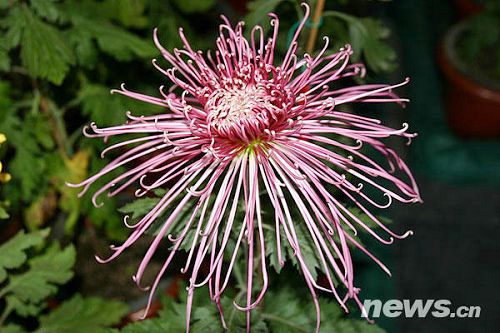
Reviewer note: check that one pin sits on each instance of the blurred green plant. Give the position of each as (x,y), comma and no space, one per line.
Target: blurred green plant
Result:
(283,310)
(58,60)
(31,271)
(478,46)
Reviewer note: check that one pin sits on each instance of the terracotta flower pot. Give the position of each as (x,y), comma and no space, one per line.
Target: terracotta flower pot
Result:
(472,102)
(467,8)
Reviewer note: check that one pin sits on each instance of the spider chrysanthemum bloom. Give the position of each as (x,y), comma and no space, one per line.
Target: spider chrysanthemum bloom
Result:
(247,130)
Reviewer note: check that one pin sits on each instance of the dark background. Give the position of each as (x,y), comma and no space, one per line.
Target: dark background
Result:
(454,252)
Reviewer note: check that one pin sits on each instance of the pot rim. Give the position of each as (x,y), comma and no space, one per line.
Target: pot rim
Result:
(450,40)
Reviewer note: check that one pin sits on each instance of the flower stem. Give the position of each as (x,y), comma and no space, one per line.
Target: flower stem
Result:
(57,124)
(313,34)
(6,312)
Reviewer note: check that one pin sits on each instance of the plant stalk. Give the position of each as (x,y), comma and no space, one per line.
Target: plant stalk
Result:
(313,33)
(6,312)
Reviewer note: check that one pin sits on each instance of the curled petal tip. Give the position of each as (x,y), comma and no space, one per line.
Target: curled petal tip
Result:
(100,260)
(239,307)
(144,314)
(98,205)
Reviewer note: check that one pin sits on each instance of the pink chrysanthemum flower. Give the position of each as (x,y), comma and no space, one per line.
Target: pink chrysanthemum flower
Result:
(246,129)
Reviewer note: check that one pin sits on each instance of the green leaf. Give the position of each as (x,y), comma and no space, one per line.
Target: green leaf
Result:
(309,251)
(14,23)
(27,290)
(120,43)
(4,56)
(44,51)
(357,38)
(378,54)
(82,315)
(3,211)
(12,253)
(23,309)
(283,310)
(194,6)
(354,326)
(117,42)
(139,207)
(307,248)
(107,109)
(28,166)
(42,131)
(108,218)
(258,10)
(72,170)
(91,23)
(172,317)
(102,107)
(45,9)
(150,326)
(130,13)
(271,248)
(83,46)
(168,26)
(284,313)
(367,38)
(174,312)
(206,319)
(12,328)
(28,169)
